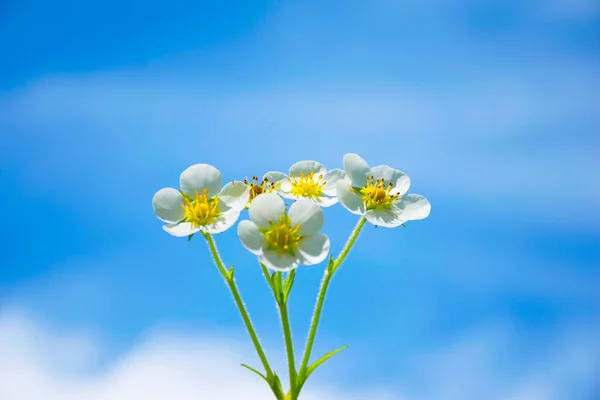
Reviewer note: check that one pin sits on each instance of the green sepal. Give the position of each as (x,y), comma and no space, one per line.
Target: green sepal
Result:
(287,285)
(267,275)
(330,263)
(305,373)
(190,237)
(230,273)
(274,283)
(278,287)
(185,196)
(404,225)
(356,189)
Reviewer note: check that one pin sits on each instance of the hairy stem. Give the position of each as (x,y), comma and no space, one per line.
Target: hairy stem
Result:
(230,280)
(329,271)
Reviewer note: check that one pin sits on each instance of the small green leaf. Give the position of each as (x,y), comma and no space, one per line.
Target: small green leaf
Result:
(256,372)
(404,225)
(277,281)
(275,379)
(287,285)
(190,237)
(230,273)
(278,291)
(267,275)
(276,385)
(272,380)
(316,364)
(330,263)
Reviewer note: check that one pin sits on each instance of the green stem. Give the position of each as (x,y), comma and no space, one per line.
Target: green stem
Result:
(329,271)
(349,243)
(230,280)
(287,333)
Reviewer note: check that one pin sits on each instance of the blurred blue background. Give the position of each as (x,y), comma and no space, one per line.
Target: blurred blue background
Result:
(492,108)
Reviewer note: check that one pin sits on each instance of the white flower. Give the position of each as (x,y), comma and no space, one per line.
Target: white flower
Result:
(199,205)
(310,179)
(379,194)
(268,184)
(283,240)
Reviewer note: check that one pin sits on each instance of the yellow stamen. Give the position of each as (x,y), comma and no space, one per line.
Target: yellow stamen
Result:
(201,210)
(377,195)
(306,185)
(281,237)
(258,187)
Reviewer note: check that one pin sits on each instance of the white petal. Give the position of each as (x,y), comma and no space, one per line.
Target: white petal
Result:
(198,177)
(399,180)
(180,229)
(331,179)
(356,168)
(265,208)
(285,187)
(167,205)
(306,167)
(224,222)
(349,198)
(275,177)
(308,215)
(325,201)
(386,218)
(277,261)
(413,207)
(288,196)
(251,237)
(314,248)
(235,195)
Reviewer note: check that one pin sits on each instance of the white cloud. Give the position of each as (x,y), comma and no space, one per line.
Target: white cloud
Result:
(39,363)
(43,363)
(496,362)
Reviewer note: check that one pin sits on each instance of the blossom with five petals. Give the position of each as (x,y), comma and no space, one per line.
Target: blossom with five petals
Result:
(282,239)
(378,193)
(311,180)
(199,205)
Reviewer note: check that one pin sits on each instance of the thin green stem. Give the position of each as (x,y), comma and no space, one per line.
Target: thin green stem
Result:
(287,333)
(349,243)
(230,280)
(267,276)
(329,271)
(315,321)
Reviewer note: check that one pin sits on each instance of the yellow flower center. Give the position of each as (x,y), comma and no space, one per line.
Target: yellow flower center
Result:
(281,237)
(201,210)
(377,195)
(258,187)
(306,186)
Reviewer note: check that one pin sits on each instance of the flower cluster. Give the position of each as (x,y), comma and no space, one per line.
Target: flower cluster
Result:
(284,238)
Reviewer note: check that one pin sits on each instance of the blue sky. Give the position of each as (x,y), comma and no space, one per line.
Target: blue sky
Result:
(491,109)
